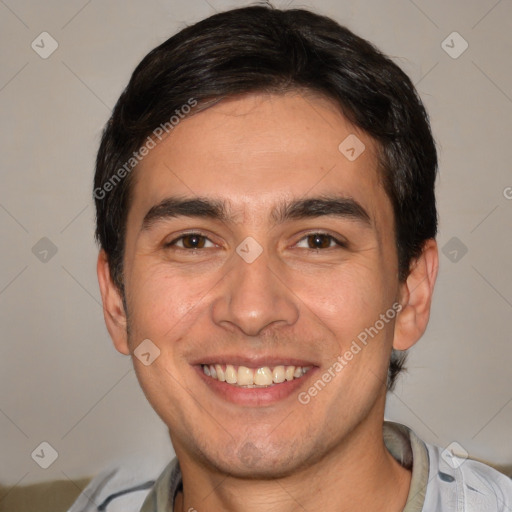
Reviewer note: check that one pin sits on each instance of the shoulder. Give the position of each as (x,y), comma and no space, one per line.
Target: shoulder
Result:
(123,486)
(461,484)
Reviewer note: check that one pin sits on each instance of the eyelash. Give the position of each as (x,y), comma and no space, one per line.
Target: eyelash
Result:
(331,238)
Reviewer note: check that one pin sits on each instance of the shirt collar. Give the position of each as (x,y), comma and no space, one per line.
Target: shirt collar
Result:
(411,452)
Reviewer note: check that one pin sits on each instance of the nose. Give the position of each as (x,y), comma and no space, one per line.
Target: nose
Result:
(253,297)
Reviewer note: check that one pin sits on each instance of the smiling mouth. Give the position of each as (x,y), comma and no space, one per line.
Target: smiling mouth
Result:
(262,377)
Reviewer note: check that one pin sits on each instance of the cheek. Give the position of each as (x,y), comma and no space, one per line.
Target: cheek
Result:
(163,303)
(345,301)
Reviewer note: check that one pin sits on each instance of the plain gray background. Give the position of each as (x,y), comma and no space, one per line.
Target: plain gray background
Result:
(61,380)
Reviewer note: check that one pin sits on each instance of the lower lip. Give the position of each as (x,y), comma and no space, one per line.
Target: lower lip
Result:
(255,397)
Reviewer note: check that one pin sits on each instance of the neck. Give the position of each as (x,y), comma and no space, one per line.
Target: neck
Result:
(359,474)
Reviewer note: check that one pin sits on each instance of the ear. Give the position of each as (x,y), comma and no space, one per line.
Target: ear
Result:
(416,297)
(113,308)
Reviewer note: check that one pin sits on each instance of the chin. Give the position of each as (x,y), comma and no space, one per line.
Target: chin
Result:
(258,462)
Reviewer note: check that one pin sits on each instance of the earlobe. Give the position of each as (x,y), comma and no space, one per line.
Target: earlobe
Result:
(113,307)
(416,297)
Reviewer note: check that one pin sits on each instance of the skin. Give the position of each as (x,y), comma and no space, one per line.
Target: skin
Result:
(256,152)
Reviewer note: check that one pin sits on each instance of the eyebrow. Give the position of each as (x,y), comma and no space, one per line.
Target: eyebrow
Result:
(343,207)
(176,207)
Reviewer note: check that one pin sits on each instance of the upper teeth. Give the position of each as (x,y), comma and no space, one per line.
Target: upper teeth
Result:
(263,376)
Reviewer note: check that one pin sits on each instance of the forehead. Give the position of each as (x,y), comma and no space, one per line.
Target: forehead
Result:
(255,151)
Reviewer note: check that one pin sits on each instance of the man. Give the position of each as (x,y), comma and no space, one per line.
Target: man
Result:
(266,215)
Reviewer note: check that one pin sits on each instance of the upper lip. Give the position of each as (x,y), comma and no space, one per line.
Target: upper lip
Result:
(253,361)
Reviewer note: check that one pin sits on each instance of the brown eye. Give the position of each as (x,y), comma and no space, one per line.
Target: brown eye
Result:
(316,241)
(191,241)
(319,241)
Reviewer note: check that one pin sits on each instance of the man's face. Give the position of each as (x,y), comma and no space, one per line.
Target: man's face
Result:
(319,268)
